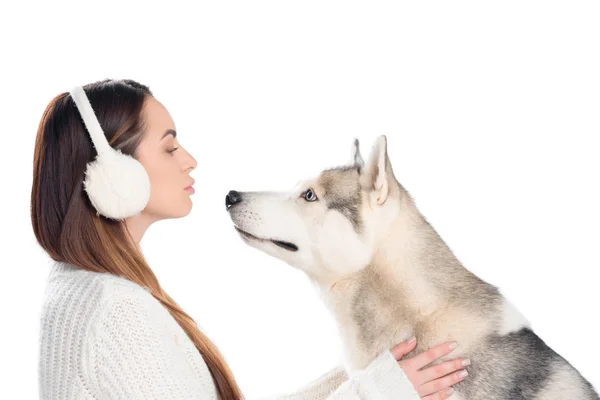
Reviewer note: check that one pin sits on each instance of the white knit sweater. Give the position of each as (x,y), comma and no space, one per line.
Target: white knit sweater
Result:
(104,337)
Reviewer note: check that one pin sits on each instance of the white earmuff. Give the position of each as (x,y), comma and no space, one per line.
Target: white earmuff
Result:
(117,184)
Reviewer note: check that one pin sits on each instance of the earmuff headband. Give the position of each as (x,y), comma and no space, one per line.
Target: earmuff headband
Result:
(89,119)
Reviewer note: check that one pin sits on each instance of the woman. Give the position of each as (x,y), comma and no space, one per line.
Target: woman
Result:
(108,330)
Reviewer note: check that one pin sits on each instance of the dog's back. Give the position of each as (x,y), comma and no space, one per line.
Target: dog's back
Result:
(520,366)
(508,360)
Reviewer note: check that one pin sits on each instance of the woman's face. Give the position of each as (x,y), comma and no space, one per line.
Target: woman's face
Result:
(168,165)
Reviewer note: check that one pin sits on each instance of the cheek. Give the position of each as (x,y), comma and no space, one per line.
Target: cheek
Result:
(160,181)
(339,248)
(166,190)
(344,255)
(160,176)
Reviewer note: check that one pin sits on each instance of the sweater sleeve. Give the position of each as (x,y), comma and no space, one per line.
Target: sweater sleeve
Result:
(382,379)
(133,353)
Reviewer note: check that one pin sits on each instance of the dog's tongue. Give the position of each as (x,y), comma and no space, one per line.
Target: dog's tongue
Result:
(285,245)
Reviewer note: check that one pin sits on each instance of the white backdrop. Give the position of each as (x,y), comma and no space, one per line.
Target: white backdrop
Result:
(492,117)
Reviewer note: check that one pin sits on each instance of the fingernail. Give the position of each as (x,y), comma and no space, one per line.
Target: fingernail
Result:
(449,391)
(412,340)
(453,345)
(462,374)
(466,362)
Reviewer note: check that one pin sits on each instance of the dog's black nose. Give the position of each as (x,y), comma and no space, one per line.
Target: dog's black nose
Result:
(232,198)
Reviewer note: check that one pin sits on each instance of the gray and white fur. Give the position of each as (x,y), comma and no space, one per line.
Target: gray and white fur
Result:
(386,274)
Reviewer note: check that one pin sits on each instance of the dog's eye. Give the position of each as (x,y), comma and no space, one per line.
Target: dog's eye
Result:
(309,195)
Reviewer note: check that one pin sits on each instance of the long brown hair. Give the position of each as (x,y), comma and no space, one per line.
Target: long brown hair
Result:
(64,221)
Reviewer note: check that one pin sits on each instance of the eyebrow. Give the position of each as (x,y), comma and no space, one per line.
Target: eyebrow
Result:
(169,132)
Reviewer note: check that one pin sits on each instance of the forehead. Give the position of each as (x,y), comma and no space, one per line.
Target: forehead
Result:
(157,118)
(341,181)
(341,192)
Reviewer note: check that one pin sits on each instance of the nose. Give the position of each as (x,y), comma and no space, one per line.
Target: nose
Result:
(232,198)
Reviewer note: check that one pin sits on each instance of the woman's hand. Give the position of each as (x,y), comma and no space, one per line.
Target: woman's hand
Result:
(433,383)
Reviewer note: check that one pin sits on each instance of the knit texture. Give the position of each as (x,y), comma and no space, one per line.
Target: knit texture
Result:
(104,337)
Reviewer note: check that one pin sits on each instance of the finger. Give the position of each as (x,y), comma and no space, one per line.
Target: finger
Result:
(402,349)
(444,394)
(432,354)
(442,383)
(443,369)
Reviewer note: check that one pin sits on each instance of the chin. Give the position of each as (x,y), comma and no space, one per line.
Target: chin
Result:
(188,209)
(170,208)
(185,211)
(182,211)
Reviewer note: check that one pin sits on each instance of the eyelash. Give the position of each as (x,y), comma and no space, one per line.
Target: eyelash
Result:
(172,150)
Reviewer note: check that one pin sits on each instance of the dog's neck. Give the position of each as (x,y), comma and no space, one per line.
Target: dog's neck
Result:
(412,259)
(408,285)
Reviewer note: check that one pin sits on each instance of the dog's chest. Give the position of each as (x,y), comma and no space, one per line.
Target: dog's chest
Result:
(368,334)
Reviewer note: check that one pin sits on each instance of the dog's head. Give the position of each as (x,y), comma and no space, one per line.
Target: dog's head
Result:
(328,226)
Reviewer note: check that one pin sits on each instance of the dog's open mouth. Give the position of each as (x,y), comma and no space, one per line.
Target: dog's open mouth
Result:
(284,245)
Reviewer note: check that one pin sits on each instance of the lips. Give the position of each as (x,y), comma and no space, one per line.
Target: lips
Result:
(190,185)
(280,243)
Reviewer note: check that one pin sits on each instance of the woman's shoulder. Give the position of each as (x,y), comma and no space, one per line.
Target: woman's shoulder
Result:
(74,298)
(74,303)
(79,304)
(75,285)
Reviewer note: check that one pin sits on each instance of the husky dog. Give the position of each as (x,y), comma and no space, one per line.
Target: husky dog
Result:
(386,274)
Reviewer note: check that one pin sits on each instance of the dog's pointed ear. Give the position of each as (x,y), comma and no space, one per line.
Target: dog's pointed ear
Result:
(356,159)
(378,175)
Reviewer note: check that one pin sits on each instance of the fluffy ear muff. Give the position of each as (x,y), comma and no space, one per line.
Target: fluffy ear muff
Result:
(117,184)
